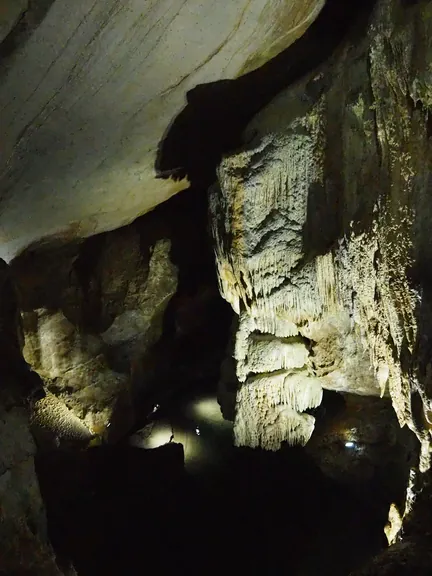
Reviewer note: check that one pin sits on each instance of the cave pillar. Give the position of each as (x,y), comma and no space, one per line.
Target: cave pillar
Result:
(321,228)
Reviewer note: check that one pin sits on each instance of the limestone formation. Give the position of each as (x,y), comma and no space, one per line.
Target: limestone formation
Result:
(85,102)
(90,314)
(24,546)
(321,226)
(411,551)
(53,425)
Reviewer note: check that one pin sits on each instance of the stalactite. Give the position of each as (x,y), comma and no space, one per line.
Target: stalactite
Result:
(321,226)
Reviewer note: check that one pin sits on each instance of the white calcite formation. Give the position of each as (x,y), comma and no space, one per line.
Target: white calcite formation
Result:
(321,227)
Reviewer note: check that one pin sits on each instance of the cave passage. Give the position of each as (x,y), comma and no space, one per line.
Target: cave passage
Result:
(173,495)
(205,507)
(124,510)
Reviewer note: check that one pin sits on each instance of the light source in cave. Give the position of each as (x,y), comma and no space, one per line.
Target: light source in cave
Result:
(350,444)
(206,410)
(199,428)
(156,435)
(163,432)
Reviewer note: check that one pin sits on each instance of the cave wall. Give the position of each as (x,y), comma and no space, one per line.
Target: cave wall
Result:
(24,546)
(321,226)
(10,13)
(87,93)
(91,312)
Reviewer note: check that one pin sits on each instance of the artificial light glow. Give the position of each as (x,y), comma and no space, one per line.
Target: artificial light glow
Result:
(206,410)
(197,433)
(160,435)
(349,444)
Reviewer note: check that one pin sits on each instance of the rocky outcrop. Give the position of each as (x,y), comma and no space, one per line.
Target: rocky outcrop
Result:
(321,226)
(90,313)
(24,546)
(411,553)
(94,89)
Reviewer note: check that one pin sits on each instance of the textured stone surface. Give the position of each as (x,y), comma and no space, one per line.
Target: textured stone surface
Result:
(411,553)
(10,13)
(86,100)
(322,221)
(55,426)
(90,313)
(361,442)
(24,546)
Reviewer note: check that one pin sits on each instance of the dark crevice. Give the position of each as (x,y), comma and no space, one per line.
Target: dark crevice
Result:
(216,114)
(196,323)
(24,28)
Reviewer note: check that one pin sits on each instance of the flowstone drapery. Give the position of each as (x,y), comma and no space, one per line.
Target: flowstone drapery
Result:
(321,236)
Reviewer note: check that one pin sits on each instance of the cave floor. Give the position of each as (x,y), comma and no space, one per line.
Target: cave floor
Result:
(123,510)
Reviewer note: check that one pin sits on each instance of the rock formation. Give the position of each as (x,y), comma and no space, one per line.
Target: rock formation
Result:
(90,314)
(321,226)
(23,535)
(85,100)
(320,222)
(10,13)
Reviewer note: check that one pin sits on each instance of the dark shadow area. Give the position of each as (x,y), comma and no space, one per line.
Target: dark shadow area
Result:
(23,29)
(412,554)
(112,510)
(417,362)
(217,113)
(127,511)
(197,320)
(123,511)
(358,440)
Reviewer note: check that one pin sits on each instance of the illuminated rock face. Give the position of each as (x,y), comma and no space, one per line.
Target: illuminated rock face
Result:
(321,226)
(86,100)
(90,314)
(23,532)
